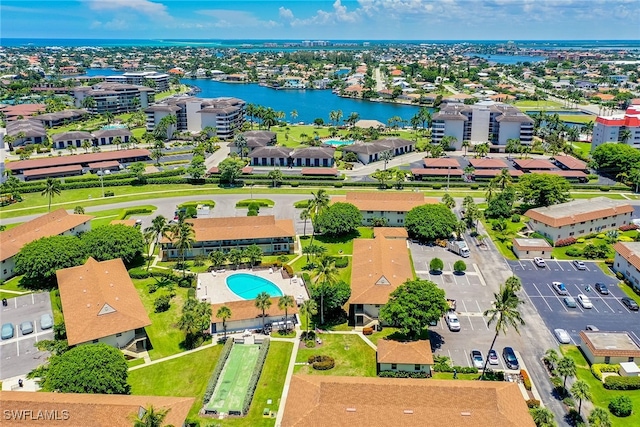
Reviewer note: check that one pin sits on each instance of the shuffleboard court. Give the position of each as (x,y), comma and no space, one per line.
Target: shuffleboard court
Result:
(231,389)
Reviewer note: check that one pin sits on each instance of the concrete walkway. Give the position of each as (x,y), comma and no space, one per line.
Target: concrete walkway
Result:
(287,381)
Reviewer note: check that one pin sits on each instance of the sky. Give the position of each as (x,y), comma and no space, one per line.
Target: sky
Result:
(323,20)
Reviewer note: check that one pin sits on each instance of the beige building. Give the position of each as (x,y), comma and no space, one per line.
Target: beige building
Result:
(627,261)
(579,218)
(101,305)
(531,248)
(380,265)
(608,347)
(391,207)
(322,400)
(245,315)
(56,223)
(413,356)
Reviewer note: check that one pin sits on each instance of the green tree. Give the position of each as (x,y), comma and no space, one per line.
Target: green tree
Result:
(459,266)
(613,159)
(308,309)
(542,417)
(581,391)
(338,219)
(566,368)
(138,168)
(39,260)
(275,176)
(504,314)
(325,273)
(413,305)
(224,313)
(382,176)
(197,168)
(448,201)
(78,210)
(286,302)
(194,321)
(150,417)
(262,303)
(95,369)
(52,187)
(218,259)
(305,215)
(430,222)
(436,264)
(253,253)
(537,190)
(599,417)
(231,169)
(181,236)
(114,241)
(235,257)
(158,228)
(551,358)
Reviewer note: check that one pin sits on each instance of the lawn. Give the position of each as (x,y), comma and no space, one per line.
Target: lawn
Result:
(630,293)
(163,333)
(196,203)
(583,147)
(561,252)
(13,284)
(602,396)
(106,216)
(185,376)
(503,239)
(344,274)
(353,356)
(263,203)
(336,246)
(529,104)
(394,334)
(449,376)
(582,119)
(291,135)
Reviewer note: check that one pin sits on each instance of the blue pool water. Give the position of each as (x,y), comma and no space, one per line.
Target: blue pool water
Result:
(248,286)
(338,142)
(115,126)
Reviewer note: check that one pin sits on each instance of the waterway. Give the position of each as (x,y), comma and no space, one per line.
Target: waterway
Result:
(508,59)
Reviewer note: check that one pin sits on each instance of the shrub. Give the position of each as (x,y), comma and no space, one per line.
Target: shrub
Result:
(436,186)
(474,186)
(310,344)
(608,261)
(338,184)
(565,242)
(342,262)
(191,293)
(288,269)
(213,379)
(533,403)
(569,402)
(601,236)
(321,362)
(598,368)
(152,287)
(619,275)
(402,374)
(525,379)
(621,406)
(628,227)
(580,240)
(307,336)
(556,381)
(574,252)
(622,383)
(458,369)
(162,303)
(295,184)
(605,188)
(515,218)
(255,376)
(108,194)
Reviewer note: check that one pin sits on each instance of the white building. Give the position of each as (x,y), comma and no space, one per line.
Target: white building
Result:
(414,356)
(389,207)
(115,98)
(579,217)
(627,261)
(485,121)
(612,128)
(143,78)
(609,347)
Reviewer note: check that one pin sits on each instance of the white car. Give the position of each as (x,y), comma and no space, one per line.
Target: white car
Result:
(562,336)
(452,322)
(476,358)
(539,262)
(579,264)
(584,301)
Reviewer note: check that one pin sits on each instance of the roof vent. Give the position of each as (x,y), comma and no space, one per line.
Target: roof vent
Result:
(111,284)
(84,290)
(88,305)
(465,414)
(408,411)
(351,409)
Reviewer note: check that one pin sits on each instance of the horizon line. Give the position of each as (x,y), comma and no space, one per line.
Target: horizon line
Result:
(310,39)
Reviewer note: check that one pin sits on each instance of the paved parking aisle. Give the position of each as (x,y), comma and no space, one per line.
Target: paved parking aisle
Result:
(608,312)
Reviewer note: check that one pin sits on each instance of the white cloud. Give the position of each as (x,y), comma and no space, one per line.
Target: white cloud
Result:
(236,18)
(285,13)
(146,7)
(339,15)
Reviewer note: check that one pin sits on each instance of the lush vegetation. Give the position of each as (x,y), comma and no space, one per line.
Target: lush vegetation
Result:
(431,222)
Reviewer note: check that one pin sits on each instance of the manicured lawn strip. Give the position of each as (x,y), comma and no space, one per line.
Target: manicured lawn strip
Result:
(269,386)
(583,147)
(365,232)
(135,362)
(335,246)
(106,216)
(13,284)
(537,104)
(195,203)
(163,333)
(590,195)
(56,306)
(630,293)
(378,335)
(508,234)
(602,396)
(263,203)
(185,376)
(449,376)
(358,361)
(577,118)
(295,139)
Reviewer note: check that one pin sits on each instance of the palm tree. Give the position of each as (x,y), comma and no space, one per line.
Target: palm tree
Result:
(482,149)
(52,187)
(284,303)
(326,274)
(542,417)
(466,144)
(503,180)
(235,257)
(263,302)
(448,201)
(253,253)
(599,418)
(385,156)
(224,313)
(566,368)
(294,115)
(241,143)
(551,358)
(581,390)
(307,309)
(86,144)
(182,238)
(319,201)
(158,228)
(305,215)
(217,258)
(151,417)
(505,314)
(513,146)
(624,136)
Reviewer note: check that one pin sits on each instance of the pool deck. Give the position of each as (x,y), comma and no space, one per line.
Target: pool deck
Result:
(212,287)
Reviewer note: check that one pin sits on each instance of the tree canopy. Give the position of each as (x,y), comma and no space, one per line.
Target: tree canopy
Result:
(338,219)
(231,169)
(334,295)
(538,190)
(197,168)
(430,222)
(39,260)
(195,320)
(114,241)
(615,158)
(413,305)
(96,368)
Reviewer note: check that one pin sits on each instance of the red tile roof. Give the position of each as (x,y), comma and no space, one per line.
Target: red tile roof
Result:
(30,173)
(319,171)
(241,227)
(534,164)
(384,201)
(107,164)
(246,310)
(570,162)
(496,172)
(413,352)
(441,163)
(437,171)
(77,159)
(488,163)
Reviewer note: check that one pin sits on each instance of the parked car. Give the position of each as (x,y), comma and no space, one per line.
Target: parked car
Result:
(579,264)
(562,336)
(493,357)
(570,302)
(26,327)
(476,358)
(602,288)
(7,331)
(539,262)
(592,328)
(560,288)
(452,322)
(584,300)
(46,321)
(630,303)
(510,358)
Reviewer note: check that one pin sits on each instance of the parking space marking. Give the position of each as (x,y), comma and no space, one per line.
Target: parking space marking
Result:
(543,298)
(555,294)
(636,337)
(605,303)
(559,265)
(483,319)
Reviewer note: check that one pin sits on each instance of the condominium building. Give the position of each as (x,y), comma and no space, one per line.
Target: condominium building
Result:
(485,121)
(225,115)
(159,81)
(115,98)
(618,128)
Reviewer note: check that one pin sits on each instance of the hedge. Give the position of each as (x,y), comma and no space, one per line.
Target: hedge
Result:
(213,379)
(525,379)
(342,262)
(255,376)
(127,212)
(622,383)
(402,374)
(458,369)
(321,362)
(598,368)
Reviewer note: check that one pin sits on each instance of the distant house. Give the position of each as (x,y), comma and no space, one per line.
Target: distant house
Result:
(26,131)
(101,305)
(368,152)
(71,139)
(412,356)
(56,223)
(313,157)
(255,139)
(108,136)
(245,315)
(531,248)
(270,156)
(627,262)
(579,217)
(609,347)
(392,207)
(529,165)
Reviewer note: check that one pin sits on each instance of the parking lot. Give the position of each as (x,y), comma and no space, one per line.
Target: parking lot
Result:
(608,312)
(472,296)
(18,355)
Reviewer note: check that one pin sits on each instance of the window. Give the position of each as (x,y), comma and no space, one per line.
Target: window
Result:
(394,366)
(118,334)
(630,359)
(607,359)
(94,341)
(416,367)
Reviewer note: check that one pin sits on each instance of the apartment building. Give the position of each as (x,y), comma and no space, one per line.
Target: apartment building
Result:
(159,81)
(618,128)
(485,121)
(115,98)
(388,207)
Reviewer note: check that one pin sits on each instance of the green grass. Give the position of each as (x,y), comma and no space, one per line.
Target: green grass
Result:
(336,246)
(234,380)
(365,232)
(106,216)
(359,360)
(600,395)
(503,240)
(263,203)
(209,203)
(295,132)
(449,376)
(135,362)
(185,376)
(630,293)
(56,306)
(561,252)
(613,196)
(583,147)
(537,104)
(582,119)
(13,284)
(394,334)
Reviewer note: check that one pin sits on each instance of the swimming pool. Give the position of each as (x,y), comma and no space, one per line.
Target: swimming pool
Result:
(248,286)
(339,142)
(114,126)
